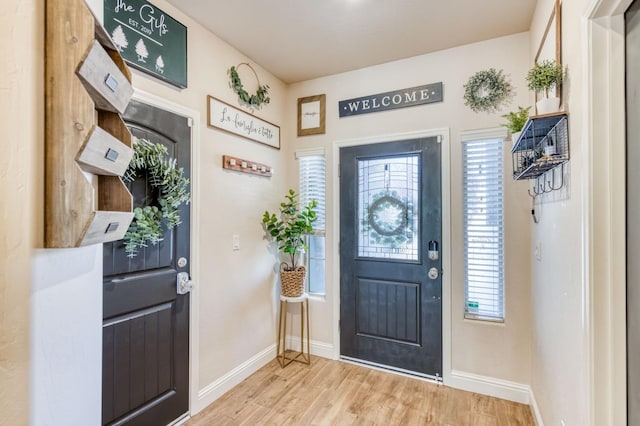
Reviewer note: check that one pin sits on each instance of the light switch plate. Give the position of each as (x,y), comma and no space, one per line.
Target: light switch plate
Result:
(236,242)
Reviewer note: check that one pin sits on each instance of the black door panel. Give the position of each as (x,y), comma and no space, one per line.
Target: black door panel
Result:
(145,322)
(390,208)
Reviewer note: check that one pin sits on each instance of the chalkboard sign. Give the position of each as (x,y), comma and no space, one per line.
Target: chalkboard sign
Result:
(148,39)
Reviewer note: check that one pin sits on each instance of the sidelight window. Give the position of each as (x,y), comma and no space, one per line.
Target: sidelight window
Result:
(312,187)
(483,227)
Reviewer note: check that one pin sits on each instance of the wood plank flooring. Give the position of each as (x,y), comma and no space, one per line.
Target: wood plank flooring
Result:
(336,393)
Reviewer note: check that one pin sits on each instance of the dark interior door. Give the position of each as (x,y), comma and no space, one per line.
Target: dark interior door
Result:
(390,284)
(145,378)
(632,18)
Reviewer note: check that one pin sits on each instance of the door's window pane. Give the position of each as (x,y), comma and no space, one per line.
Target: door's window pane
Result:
(388,207)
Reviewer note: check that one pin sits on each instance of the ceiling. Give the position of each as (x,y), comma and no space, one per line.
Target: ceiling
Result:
(299,40)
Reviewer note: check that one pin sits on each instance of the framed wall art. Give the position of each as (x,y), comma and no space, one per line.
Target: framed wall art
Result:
(550,47)
(311,115)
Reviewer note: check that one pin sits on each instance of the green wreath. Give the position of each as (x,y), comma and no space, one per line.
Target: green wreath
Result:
(396,233)
(487,90)
(151,159)
(260,97)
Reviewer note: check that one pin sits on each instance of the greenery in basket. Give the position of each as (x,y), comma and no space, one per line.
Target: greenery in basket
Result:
(288,229)
(170,186)
(516,120)
(544,76)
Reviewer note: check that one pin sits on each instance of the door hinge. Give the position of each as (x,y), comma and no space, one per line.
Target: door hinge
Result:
(439,138)
(338,170)
(339,327)
(189,121)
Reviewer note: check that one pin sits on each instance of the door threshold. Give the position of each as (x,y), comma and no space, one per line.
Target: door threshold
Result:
(395,370)
(180,420)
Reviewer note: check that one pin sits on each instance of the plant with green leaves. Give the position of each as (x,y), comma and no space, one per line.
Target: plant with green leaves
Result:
(289,227)
(262,93)
(516,120)
(170,191)
(544,76)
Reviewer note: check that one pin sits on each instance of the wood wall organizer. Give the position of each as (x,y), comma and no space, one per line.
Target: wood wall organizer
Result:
(246,166)
(88,86)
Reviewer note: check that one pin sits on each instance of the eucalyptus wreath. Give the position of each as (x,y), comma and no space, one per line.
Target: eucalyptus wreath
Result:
(168,181)
(260,97)
(394,233)
(487,90)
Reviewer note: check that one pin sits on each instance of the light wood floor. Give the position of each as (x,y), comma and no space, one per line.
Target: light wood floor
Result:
(336,393)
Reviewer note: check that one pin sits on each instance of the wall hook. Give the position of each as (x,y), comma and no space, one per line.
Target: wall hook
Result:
(533,208)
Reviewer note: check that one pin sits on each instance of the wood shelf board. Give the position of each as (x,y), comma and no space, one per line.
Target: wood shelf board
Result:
(108,86)
(71,218)
(103,154)
(106,226)
(69,117)
(114,124)
(114,195)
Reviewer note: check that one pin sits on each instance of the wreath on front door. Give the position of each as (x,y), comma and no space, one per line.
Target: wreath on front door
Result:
(386,219)
(170,191)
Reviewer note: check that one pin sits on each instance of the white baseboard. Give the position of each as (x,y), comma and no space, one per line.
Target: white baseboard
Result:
(534,407)
(498,388)
(219,387)
(321,349)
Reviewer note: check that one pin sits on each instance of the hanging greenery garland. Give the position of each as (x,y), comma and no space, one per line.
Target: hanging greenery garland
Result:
(260,97)
(387,220)
(487,90)
(151,159)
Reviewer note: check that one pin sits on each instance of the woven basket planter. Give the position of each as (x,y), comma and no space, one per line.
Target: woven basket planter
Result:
(292,282)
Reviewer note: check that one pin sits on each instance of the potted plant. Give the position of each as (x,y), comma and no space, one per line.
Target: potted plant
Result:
(543,77)
(288,229)
(516,121)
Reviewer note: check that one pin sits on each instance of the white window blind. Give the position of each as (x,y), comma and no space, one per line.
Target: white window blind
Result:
(483,228)
(312,187)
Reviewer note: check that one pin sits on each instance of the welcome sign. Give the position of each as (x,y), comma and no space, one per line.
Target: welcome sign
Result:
(148,39)
(403,98)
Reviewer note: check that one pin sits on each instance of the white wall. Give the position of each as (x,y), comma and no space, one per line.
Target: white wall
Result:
(497,351)
(560,361)
(21,112)
(66,337)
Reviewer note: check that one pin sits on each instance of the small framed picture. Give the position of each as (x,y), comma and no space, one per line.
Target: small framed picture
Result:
(311,115)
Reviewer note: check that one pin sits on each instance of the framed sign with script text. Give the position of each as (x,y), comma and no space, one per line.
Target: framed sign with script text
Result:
(311,115)
(148,39)
(221,115)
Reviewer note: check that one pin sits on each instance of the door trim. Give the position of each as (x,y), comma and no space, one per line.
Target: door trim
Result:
(194,270)
(603,209)
(443,134)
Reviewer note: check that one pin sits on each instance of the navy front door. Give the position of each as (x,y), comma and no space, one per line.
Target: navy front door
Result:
(390,262)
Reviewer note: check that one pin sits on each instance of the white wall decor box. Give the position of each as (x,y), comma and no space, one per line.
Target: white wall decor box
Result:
(87,85)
